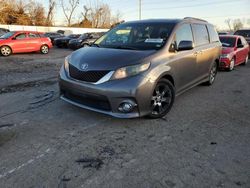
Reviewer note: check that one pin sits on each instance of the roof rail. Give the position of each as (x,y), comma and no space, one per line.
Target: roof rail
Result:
(195,19)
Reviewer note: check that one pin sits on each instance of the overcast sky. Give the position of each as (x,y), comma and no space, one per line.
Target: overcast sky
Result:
(215,11)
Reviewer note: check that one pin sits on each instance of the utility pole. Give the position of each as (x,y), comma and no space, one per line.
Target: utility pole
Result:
(139,9)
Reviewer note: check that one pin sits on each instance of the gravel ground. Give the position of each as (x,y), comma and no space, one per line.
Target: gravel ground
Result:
(47,143)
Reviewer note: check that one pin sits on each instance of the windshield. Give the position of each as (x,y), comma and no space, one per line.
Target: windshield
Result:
(7,35)
(137,36)
(244,33)
(228,41)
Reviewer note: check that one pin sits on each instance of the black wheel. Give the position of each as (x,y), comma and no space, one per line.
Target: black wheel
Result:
(162,99)
(44,49)
(212,74)
(232,64)
(5,51)
(246,61)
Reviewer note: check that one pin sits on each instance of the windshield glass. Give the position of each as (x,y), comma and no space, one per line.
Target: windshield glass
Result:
(137,36)
(7,35)
(228,41)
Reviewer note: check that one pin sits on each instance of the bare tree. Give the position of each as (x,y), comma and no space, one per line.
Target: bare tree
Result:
(50,14)
(68,10)
(237,24)
(228,22)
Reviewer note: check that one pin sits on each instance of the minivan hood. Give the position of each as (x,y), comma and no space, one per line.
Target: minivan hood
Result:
(107,58)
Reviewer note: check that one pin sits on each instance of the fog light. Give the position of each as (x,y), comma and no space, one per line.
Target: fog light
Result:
(126,107)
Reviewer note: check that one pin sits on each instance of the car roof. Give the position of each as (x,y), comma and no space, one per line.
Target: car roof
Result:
(154,21)
(230,36)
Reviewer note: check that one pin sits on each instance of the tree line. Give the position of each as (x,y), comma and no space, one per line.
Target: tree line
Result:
(94,14)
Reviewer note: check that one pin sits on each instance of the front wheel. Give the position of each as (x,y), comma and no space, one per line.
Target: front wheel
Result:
(212,74)
(246,60)
(5,51)
(162,99)
(44,49)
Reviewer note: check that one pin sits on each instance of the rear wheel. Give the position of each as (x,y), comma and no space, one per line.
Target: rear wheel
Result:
(44,49)
(5,51)
(246,61)
(212,74)
(162,99)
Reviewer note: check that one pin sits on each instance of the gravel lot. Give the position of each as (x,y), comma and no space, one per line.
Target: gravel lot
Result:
(47,143)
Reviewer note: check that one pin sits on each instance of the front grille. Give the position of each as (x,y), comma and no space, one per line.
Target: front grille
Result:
(93,101)
(87,76)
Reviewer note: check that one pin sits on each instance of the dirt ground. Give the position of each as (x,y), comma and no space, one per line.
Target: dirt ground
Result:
(47,143)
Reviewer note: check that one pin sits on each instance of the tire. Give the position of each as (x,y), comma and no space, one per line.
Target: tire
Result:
(232,65)
(162,99)
(212,74)
(245,63)
(5,51)
(85,45)
(44,49)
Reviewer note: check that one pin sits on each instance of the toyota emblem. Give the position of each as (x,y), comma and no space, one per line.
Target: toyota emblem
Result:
(84,66)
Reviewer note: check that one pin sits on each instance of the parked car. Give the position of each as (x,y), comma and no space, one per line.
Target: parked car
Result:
(3,31)
(246,34)
(223,33)
(64,41)
(84,40)
(53,36)
(24,41)
(138,67)
(234,52)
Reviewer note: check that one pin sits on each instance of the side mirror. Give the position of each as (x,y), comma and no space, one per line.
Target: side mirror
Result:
(185,45)
(240,46)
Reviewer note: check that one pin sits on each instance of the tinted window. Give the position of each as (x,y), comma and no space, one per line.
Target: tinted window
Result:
(7,35)
(244,33)
(21,36)
(228,41)
(183,33)
(239,42)
(137,36)
(200,34)
(34,35)
(212,34)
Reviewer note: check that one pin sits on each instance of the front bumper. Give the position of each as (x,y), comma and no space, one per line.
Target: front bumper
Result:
(224,63)
(108,96)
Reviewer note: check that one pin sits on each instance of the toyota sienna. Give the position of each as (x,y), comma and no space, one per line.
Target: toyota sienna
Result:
(138,68)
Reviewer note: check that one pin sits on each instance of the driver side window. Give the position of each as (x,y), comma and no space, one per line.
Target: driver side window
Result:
(183,33)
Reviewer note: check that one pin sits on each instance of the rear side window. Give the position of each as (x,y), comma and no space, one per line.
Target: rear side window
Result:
(212,34)
(200,34)
(183,33)
(239,42)
(34,35)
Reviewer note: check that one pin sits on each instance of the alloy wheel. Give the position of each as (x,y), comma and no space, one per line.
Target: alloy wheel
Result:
(162,99)
(213,73)
(232,63)
(44,49)
(5,51)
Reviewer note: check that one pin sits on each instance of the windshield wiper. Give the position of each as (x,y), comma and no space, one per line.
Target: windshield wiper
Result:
(126,47)
(96,45)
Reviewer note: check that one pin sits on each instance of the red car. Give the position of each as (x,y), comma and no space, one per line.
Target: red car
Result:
(235,51)
(24,41)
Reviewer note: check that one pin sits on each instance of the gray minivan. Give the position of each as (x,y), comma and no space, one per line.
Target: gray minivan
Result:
(137,68)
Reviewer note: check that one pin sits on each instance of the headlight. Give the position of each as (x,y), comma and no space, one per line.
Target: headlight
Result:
(224,55)
(130,71)
(79,40)
(66,63)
